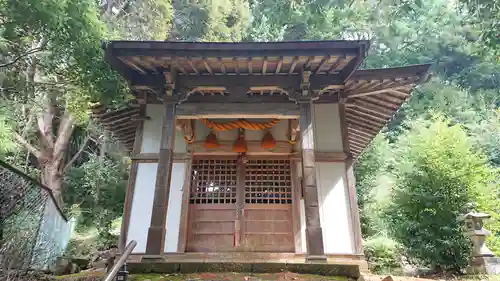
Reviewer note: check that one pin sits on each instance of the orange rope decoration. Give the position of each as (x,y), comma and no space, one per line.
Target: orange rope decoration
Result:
(239,124)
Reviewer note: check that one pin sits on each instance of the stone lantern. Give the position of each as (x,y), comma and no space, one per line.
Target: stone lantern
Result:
(483,260)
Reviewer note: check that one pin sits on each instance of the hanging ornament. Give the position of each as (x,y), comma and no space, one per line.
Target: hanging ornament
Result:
(240,145)
(268,142)
(211,141)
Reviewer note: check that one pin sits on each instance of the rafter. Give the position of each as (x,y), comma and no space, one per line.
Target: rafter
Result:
(190,62)
(207,67)
(278,67)
(264,66)
(294,63)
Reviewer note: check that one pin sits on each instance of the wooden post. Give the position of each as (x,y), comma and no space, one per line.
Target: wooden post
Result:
(240,202)
(127,206)
(350,179)
(354,209)
(314,234)
(156,232)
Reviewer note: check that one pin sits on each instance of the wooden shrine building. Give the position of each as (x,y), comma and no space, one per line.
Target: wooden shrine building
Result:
(243,152)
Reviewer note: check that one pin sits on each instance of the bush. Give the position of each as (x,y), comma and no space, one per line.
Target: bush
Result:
(439,175)
(382,254)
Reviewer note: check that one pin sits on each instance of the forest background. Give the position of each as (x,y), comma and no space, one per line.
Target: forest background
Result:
(438,159)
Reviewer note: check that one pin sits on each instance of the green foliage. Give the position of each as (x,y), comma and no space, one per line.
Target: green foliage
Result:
(382,254)
(486,14)
(95,192)
(7,144)
(372,185)
(439,174)
(141,20)
(222,20)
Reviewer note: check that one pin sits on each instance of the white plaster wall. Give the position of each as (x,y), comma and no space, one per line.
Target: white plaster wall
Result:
(334,208)
(302,212)
(331,181)
(174,207)
(152,131)
(142,202)
(328,137)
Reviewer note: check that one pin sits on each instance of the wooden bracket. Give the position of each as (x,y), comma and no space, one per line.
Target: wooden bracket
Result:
(186,126)
(293,130)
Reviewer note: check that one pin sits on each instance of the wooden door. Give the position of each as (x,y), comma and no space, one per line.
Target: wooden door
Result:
(212,205)
(267,220)
(236,206)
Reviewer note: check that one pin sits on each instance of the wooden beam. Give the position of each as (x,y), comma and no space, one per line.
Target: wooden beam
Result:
(321,156)
(321,64)
(156,233)
(237,67)
(398,93)
(372,108)
(361,124)
(207,67)
(264,66)
(368,115)
(307,64)
(355,94)
(314,233)
(192,66)
(222,66)
(237,110)
(364,119)
(250,67)
(357,135)
(351,68)
(186,82)
(226,148)
(335,64)
(357,146)
(393,72)
(359,142)
(292,67)
(278,67)
(180,67)
(189,49)
(132,65)
(293,129)
(361,128)
(390,107)
(359,132)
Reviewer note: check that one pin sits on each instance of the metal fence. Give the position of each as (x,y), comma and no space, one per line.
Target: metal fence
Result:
(34,232)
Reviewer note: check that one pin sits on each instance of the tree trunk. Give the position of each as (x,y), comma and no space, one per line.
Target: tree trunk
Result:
(53,180)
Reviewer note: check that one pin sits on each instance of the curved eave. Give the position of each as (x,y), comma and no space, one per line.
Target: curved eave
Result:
(373,98)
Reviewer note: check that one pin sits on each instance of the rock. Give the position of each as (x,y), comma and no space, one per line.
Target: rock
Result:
(387,278)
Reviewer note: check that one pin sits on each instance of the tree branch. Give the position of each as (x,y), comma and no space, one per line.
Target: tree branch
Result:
(27,53)
(63,135)
(45,121)
(28,146)
(77,154)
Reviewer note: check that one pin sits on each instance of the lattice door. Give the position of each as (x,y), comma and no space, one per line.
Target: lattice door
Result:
(212,210)
(268,206)
(240,207)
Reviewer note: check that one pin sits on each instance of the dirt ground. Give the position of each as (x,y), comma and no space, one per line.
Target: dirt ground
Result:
(283,276)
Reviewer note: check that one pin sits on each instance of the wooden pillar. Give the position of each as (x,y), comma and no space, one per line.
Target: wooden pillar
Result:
(127,206)
(350,179)
(314,234)
(240,202)
(156,232)
(353,202)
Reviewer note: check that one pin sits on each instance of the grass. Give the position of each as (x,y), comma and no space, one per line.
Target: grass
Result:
(230,276)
